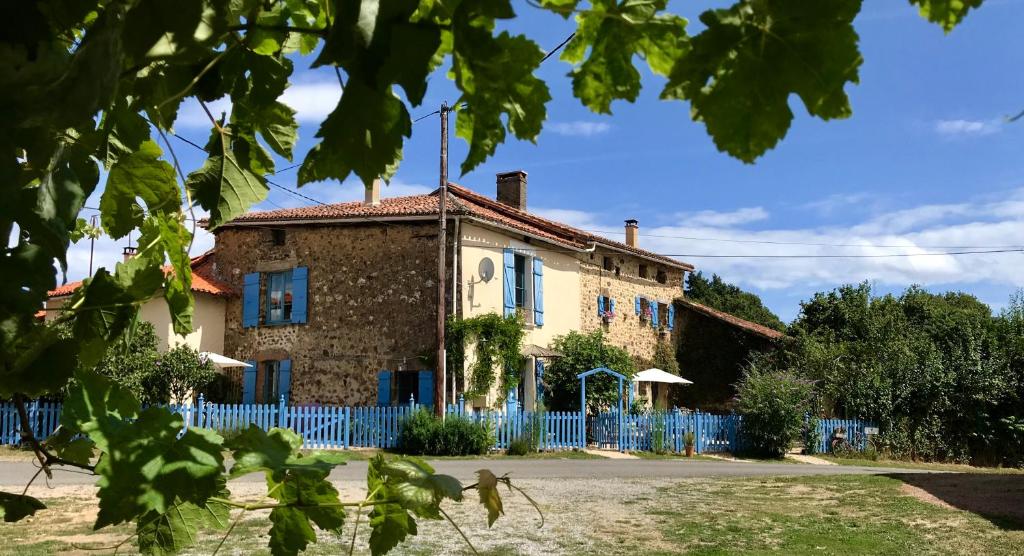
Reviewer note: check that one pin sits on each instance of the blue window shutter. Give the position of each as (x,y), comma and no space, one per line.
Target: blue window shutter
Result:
(425,392)
(636,302)
(611,306)
(284,380)
(300,289)
(671,316)
(539,370)
(654,313)
(600,305)
(251,300)
(249,383)
(509,279)
(538,292)
(384,388)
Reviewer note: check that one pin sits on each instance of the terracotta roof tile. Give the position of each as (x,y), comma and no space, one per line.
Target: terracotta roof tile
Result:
(753,327)
(203,280)
(461,201)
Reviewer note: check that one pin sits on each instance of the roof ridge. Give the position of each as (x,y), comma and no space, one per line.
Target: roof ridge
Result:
(756,328)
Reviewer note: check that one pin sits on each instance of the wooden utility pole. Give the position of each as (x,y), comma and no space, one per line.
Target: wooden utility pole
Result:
(441,375)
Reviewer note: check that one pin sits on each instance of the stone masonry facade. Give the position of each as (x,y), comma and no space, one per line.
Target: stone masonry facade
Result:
(371,303)
(623,283)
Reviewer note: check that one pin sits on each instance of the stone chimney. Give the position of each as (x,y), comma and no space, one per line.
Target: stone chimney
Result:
(512,189)
(129,252)
(373,194)
(632,231)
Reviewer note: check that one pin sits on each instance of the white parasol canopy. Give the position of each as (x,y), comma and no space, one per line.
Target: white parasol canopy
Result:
(221,361)
(658,375)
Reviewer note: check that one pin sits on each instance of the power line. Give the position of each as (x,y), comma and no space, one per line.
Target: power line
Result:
(813,244)
(542,60)
(557,48)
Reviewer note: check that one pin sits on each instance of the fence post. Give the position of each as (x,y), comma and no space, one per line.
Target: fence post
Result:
(461,409)
(200,405)
(698,431)
(282,420)
(412,402)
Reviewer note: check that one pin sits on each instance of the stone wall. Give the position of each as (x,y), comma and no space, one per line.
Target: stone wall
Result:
(623,283)
(371,304)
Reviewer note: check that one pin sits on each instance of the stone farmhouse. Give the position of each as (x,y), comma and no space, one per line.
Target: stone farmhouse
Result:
(336,304)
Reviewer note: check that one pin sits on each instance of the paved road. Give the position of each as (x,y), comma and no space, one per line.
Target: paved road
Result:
(18,472)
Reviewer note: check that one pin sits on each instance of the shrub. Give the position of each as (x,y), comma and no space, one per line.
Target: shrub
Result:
(424,434)
(773,407)
(689,439)
(659,445)
(812,436)
(520,447)
(582,352)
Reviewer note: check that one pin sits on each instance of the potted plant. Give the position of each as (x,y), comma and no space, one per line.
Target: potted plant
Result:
(608,316)
(689,440)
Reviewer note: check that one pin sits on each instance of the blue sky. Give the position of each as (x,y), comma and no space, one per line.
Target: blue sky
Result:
(925,160)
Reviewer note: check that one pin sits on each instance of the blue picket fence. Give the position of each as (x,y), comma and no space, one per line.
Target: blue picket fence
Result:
(378,427)
(854,429)
(645,431)
(43,416)
(553,430)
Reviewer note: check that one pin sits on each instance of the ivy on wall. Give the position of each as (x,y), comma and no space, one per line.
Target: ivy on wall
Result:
(498,342)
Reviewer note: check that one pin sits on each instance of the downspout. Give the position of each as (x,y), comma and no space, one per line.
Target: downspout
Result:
(456,287)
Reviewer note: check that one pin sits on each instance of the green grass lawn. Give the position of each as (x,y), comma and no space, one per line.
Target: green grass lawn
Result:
(951,467)
(822,515)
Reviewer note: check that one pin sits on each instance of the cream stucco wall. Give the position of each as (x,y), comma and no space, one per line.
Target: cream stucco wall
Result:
(561,281)
(478,297)
(207,322)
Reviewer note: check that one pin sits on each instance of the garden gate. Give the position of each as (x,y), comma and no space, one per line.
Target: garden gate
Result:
(605,428)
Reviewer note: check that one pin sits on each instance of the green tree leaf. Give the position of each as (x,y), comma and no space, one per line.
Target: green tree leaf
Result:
(615,32)
(15,507)
(947,13)
(179,527)
(97,407)
(363,134)
(495,76)
(291,532)
(742,69)
(225,187)
(139,175)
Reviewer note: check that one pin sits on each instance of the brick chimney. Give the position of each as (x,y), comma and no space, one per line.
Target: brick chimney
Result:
(632,231)
(512,189)
(373,194)
(129,252)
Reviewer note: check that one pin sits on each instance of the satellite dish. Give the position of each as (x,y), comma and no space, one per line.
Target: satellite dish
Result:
(486,269)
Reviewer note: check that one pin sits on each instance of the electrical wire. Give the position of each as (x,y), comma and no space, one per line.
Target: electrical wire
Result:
(812,244)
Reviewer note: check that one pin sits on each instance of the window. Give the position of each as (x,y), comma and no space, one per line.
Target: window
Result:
(407,385)
(271,376)
(643,271)
(524,286)
(279,297)
(662,276)
(277,236)
(609,264)
(520,281)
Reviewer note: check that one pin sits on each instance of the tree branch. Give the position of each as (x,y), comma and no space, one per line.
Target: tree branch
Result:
(28,436)
(281,28)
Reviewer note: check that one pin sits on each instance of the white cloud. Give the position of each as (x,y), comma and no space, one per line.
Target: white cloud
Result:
(577,218)
(964,128)
(829,205)
(312,102)
(926,230)
(578,128)
(723,219)
(334,192)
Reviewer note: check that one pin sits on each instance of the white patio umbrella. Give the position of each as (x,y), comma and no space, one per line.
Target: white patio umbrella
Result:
(658,375)
(222,361)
